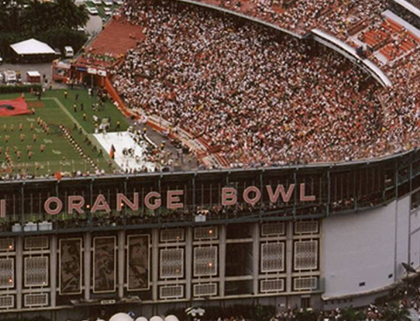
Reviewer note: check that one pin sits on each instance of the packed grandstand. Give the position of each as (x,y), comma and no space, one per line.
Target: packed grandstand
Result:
(256,97)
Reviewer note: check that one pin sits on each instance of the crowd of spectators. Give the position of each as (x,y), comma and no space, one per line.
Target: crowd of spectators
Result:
(257,97)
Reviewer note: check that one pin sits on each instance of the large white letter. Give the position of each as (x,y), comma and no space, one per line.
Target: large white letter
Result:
(47,205)
(173,201)
(229,196)
(122,199)
(158,201)
(280,190)
(76,202)
(101,205)
(256,198)
(303,197)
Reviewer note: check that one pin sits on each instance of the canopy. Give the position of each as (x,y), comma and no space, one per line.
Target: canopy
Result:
(33,74)
(32,47)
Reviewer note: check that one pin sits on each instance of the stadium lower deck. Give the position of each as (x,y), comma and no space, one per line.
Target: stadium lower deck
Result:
(134,269)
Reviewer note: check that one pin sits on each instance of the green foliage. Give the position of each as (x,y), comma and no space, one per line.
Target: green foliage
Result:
(351,314)
(6,39)
(306,315)
(59,38)
(51,22)
(68,15)
(395,313)
(19,89)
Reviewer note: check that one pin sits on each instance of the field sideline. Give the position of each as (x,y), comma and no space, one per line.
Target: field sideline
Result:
(30,149)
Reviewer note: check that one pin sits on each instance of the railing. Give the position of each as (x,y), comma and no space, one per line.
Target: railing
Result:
(336,189)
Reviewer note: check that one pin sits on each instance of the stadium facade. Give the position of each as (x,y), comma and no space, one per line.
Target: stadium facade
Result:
(317,235)
(343,243)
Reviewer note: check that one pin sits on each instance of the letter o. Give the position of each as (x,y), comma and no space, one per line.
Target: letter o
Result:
(255,199)
(47,205)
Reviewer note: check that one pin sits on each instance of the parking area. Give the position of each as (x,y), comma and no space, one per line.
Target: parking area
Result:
(42,68)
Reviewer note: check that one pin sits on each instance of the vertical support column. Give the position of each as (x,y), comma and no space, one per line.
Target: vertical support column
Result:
(289,256)
(87,263)
(222,259)
(53,269)
(255,256)
(155,263)
(188,262)
(121,260)
(19,271)
(321,255)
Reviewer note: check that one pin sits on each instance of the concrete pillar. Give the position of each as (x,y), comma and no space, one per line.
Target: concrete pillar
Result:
(19,271)
(321,255)
(53,270)
(87,263)
(255,256)
(289,255)
(188,261)
(121,261)
(222,259)
(155,263)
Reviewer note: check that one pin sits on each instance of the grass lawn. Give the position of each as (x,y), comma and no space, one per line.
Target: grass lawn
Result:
(59,153)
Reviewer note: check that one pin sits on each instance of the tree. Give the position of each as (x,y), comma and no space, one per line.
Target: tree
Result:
(395,313)
(351,314)
(68,15)
(11,13)
(38,17)
(306,315)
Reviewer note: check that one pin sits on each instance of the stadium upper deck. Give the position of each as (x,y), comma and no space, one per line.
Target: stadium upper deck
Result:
(363,121)
(357,120)
(385,29)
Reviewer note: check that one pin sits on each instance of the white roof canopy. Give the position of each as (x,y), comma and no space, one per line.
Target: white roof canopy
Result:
(32,47)
(33,74)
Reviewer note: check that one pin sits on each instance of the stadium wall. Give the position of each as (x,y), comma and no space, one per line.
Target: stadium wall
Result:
(364,252)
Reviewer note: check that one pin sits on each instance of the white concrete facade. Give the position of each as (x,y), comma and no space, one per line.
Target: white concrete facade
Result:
(364,252)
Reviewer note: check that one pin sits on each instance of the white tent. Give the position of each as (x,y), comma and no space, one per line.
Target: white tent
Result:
(121,317)
(32,47)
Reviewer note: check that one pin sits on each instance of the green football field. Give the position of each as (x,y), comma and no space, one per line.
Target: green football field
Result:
(26,148)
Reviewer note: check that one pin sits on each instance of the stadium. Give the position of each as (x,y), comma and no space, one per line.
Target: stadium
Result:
(231,153)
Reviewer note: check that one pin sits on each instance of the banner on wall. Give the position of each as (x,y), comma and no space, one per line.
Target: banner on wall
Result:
(70,266)
(138,262)
(104,264)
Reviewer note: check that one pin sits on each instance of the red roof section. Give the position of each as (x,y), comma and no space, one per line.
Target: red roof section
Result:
(114,41)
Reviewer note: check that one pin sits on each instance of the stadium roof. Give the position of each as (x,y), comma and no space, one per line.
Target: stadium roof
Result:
(32,47)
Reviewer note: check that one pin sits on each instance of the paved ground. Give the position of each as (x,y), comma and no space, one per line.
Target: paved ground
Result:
(43,69)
